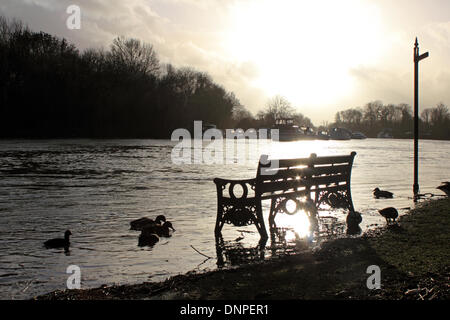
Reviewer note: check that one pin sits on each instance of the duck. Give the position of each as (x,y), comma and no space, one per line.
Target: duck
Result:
(147,239)
(382,194)
(354,218)
(445,187)
(58,242)
(160,230)
(139,224)
(389,213)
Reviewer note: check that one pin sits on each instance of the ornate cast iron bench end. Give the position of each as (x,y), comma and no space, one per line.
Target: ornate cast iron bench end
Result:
(238,210)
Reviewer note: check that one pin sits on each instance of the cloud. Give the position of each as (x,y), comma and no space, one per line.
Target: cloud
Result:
(174,32)
(375,83)
(194,33)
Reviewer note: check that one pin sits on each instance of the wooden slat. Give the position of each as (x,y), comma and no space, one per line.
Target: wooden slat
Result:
(332,189)
(280,185)
(283,174)
(298,193)
(312,160)
(272,175)
(341,168)
(314,181)
(289,163)
(333,160)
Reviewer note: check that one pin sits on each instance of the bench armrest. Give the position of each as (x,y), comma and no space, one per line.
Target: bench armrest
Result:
(223,184)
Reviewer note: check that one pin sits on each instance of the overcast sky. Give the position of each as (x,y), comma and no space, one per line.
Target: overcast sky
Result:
(322,55)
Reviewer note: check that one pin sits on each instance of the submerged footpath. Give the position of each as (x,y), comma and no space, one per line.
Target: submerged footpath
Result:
(413,258)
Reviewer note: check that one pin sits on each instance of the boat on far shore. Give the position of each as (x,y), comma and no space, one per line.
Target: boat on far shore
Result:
(289,131)
(385,134)
(340,134)
(358,135)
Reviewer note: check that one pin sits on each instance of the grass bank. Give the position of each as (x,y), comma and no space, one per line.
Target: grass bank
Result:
(413,257)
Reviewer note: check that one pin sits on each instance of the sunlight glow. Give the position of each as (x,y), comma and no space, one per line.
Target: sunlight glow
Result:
(302,57)
(299,222)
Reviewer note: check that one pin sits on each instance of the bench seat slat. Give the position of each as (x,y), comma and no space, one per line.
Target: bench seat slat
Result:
(297,183)
(280,185)
(298,193)
(276,174)
(286,163)
(325,180)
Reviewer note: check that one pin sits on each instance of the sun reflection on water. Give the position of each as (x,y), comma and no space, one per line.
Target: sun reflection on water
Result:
(299,222)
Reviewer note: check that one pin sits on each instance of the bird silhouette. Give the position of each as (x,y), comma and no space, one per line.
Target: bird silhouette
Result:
(59,242)
(390,214)
(147,239)
(445,187)
(382,194)
(160,230)
(353,218)
(140,223)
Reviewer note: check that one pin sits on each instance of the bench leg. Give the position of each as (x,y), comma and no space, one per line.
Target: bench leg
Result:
(349,199)
(260,222)
(219,221)
(219,250)
(272,214)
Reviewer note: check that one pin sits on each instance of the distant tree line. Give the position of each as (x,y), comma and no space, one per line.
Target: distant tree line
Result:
(434,123)
(49,89)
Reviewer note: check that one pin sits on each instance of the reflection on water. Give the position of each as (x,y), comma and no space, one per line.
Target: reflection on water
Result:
(95,188)
(233,253)
(299,233)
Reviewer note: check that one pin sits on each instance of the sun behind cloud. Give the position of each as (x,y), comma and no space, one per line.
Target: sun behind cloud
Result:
(304,50)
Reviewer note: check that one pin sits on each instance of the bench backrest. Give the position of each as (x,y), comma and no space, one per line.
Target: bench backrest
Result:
(302,176)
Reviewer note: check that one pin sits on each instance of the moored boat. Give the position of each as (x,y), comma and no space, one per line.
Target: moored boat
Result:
(288,131)
(340,134)
(358,135)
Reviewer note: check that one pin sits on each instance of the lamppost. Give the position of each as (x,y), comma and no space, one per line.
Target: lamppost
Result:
(417,58)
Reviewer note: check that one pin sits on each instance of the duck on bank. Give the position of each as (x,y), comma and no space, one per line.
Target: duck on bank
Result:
(353,220)
(390,214)
(445,187)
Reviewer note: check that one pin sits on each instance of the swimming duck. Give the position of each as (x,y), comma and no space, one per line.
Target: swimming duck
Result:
(147,239)
(353,219)
(58,242)
(139,224)
(445,187)
(160,230)
(382,194)
(389,213)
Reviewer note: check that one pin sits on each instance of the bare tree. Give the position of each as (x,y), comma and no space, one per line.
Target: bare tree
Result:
(301,120)
(240,112)
(137,56)
(372,111)
(440,114)
(426,115)
(277,107)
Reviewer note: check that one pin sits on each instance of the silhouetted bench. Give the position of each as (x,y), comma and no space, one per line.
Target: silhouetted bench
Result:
(311,183)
